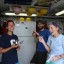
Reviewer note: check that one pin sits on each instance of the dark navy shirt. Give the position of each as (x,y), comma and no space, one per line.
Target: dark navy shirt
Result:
(45,34)
(9,57)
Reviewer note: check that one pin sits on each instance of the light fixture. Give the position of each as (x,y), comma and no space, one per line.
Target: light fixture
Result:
(42,12)
(30,11)
(34,15)
(13,14)
(21,14)
(28,19)
(21,19)
(60,13)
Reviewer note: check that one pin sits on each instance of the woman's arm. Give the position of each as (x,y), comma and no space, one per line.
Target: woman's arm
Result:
(57,57)
(4,50)
(44,43)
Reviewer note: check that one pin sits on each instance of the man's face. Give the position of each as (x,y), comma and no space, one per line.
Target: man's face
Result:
(10,26)
(40,26)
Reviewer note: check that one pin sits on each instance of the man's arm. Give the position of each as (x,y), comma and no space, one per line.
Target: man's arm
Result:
(35,37)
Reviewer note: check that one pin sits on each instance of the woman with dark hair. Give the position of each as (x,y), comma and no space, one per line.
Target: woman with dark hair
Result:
(55,44)
(0,30)
(7,47)
(4,30)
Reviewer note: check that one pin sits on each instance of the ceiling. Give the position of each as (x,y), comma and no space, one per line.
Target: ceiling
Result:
(53,6)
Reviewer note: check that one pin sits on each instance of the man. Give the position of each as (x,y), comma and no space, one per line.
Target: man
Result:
(7,47)
(41,53)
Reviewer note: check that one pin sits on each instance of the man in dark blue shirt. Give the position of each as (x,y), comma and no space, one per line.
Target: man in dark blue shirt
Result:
(41,53)
(8,45)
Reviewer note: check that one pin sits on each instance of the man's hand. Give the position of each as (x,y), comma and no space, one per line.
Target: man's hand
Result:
(34,34)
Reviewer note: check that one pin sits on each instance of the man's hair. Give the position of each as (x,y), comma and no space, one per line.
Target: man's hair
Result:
(40,21)
(9,21)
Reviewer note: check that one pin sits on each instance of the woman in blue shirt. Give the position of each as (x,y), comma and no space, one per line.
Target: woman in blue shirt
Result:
(55,44)
(8,48)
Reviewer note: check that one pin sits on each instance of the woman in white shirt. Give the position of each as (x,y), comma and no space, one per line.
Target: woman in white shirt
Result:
(55,44)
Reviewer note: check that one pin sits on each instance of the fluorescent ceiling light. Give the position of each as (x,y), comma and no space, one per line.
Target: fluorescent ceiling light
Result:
(21,14)
(13,14)
(33,15)
(60,13)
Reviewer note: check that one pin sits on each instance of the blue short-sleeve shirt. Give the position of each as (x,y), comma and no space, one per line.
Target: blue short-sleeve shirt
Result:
(45,34)
(9,57)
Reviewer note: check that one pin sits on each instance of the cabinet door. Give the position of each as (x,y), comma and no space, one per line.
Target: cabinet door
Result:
(25,29)
(27,49)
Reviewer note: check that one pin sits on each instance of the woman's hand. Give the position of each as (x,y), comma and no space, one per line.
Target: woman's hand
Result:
(41,39)
(56,58)
(18,48)
(14,46)
(44,43)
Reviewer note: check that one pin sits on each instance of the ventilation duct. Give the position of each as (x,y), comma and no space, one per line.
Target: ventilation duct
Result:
(57,4)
